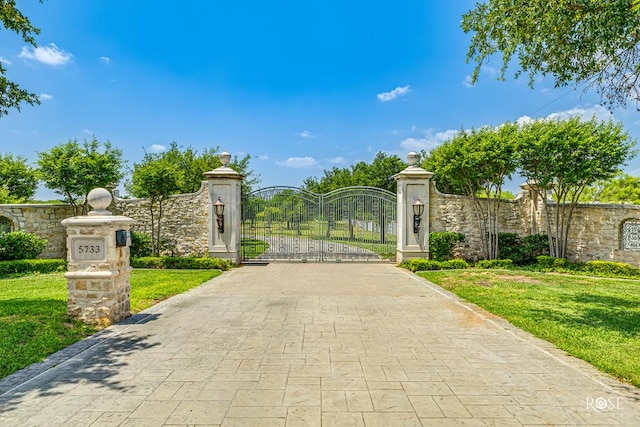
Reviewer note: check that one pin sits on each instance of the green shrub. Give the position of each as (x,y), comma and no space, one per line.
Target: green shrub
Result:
(549,262)
(610,268)
(522,250)
(495,263)
(442,243)
(454,264)
(140,245)
(421,264)
(186,263)
(20,245)
(30,266)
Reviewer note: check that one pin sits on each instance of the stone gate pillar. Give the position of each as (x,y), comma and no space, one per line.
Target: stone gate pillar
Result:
(225,197)
(413,186)
(98,263)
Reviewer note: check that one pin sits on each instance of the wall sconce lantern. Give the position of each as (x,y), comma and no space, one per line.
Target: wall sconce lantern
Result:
(418,210)
(218,207)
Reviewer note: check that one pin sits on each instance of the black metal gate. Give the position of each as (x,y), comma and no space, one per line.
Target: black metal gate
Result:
(349,224)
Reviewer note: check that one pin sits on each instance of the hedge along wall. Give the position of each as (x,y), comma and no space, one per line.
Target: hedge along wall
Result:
(42,220)
(184,222)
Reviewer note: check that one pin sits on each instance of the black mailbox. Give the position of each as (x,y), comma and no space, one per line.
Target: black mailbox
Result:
(121,238)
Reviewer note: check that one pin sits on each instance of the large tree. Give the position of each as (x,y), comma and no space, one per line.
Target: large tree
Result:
(12,95)
(18,180)
(595,43)
(562,158)
(177,170)
(474,163)
(379,173)
(623,188)
(155,178)
(72,169)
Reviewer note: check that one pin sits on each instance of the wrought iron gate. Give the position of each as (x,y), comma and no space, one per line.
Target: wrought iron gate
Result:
(349,224)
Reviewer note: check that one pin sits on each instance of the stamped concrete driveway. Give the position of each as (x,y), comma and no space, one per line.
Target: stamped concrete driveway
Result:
(310,345)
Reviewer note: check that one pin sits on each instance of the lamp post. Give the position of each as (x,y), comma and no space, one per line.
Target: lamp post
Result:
(418,210)
(218,207)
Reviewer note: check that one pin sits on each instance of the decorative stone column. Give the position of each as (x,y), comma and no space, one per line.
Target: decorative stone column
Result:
(98,263)
(413,185)
(225,232)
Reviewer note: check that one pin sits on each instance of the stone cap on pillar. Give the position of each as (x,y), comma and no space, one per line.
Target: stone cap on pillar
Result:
(224,171)
(413,171)
(99,199)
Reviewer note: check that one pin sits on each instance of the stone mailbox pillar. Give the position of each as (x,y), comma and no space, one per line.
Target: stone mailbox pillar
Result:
(98,263)
(225,211)
(413,187)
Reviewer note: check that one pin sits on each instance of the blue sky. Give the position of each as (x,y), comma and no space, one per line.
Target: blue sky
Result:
(301,86)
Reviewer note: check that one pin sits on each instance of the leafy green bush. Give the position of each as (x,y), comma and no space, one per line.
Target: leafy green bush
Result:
(522,250)
(422,264)
(441,244)
(549,262)
(30,266)
(610,268)
(495,263)
(140,245)
(20,245)
(187,263)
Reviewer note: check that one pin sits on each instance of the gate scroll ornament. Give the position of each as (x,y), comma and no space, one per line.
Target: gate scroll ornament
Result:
(348,224)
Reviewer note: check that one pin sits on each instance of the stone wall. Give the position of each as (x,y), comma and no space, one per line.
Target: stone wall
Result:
(184,222)
(44,221)
(596,230)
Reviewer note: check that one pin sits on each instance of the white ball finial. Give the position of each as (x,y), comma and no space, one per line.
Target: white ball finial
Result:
(224,158)
(99,199)
(413,158)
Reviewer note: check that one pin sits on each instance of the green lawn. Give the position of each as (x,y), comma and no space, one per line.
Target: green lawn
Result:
(33,319)
(595,319)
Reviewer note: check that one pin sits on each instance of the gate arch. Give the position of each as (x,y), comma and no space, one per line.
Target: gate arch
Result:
(290,223)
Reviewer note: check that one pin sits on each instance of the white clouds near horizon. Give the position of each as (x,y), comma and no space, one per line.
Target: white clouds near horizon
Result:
(50,55)
(157,148)
(298,162)
(395,93)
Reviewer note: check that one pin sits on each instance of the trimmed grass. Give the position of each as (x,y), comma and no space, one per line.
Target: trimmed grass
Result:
(595,319)
(33,311)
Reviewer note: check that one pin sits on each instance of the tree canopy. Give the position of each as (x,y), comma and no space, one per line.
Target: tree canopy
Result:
(591,42)
(72,169)
(379,173)
(11,94)
(18,180)
(562,158)
(474,163)
(623,188)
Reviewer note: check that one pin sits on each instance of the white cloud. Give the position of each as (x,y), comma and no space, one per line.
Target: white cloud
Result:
(105,59)
(50,55)
(87,132)
(306,134)
(157,148)
(298,162)
(336,160)
(45,97)
(5,61)
(467,82)
(597,111)
(397,92)
(428,141)
(263,157)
